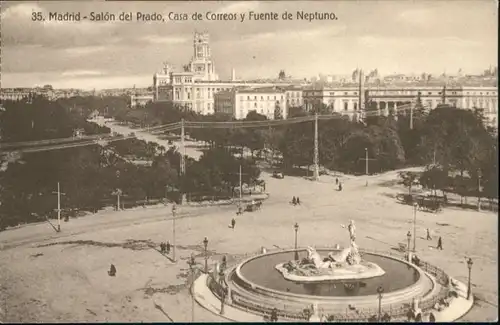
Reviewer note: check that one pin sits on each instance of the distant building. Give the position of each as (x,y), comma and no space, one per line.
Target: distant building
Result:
(239,102)
(140,100)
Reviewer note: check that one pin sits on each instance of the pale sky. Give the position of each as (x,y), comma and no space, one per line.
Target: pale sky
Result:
(393,36)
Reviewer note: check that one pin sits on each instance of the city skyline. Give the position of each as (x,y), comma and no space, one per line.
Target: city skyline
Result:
(448,36)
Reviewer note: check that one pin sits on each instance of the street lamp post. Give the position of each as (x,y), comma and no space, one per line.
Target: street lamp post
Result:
(408,235)
(366,165)
(479,190)
(205,243)
(191,263)
(469,265)
(380,290)
(415,205)
(296,227)
(174,210)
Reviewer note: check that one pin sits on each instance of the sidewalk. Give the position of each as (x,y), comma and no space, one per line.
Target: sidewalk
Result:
(208,300)
(458,306)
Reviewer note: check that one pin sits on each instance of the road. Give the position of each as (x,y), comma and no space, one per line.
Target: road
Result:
(125,130)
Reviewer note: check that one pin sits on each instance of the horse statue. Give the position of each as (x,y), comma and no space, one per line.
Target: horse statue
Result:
(314,258)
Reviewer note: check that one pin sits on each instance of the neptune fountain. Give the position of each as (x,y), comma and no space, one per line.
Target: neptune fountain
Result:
(346,264)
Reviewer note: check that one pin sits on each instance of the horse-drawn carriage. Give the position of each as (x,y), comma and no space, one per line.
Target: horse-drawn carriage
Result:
(430,203)
(253,206)
(406,198)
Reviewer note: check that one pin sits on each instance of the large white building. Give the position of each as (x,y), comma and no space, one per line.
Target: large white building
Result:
(195,87)
(239,102)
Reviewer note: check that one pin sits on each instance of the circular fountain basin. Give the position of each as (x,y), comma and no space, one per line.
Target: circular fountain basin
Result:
(395,275)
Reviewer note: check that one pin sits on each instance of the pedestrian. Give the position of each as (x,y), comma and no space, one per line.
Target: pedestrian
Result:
(162,247)
(294,201)
(274,315)
(340,187)
(168,247)
(233,223)
(298,200)
(112,270)
(224,262)
(428,234)
(336,181)
(440,243)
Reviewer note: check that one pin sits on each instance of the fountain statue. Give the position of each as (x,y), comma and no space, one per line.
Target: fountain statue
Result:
(345,264)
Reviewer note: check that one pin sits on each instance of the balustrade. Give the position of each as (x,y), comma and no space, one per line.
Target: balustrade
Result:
(295,311)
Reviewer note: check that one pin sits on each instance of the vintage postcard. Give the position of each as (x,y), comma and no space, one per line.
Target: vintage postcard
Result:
(248,161)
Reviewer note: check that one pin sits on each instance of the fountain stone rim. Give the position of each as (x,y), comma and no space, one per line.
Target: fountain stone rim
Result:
(412,287)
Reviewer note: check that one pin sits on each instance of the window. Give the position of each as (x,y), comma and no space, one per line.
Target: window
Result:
(255,97)
(355,106)
(332,94)
(267,97)
(178,79)
(346,106)
(261,97)
(345,93)
(355,93)
(189,95)
(429,93)
(248,97)
(255,105)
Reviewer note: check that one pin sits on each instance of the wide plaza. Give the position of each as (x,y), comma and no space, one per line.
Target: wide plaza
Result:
(62,277)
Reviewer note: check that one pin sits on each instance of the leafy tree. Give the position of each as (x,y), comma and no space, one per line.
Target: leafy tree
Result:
(408,179)
(434,178)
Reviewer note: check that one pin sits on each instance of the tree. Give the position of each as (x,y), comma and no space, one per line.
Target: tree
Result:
(408,179)
(434,178)
(282,75)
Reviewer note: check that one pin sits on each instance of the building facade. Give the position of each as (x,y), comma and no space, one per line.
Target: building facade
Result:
(349,99)
(239,102)
(195,87)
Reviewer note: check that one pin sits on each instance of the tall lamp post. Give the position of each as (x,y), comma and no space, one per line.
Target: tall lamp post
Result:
(380,290)
(479,190)
(191,263)
(296,227)
(415,206)
(174,210)
(205,243)
(469,265)
(408,236)
(366,165)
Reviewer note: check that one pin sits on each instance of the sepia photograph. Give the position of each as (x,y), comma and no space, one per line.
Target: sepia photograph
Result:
(248,161)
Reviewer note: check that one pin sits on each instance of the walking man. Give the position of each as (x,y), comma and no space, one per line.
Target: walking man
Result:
(428,234)
(233,223)
(440,243)
(168,247)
